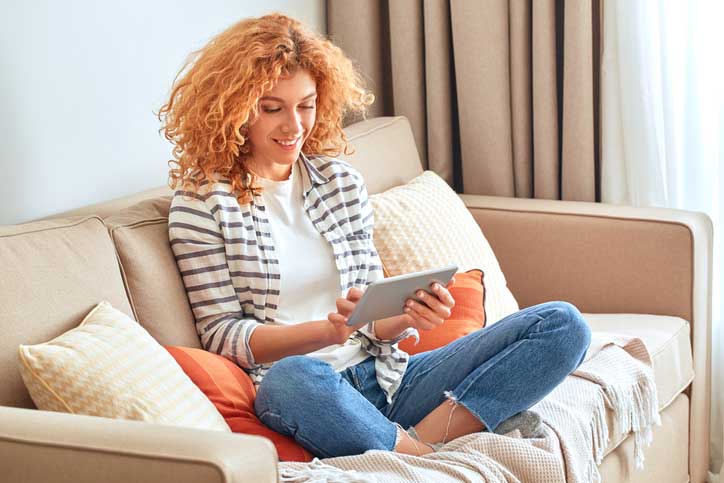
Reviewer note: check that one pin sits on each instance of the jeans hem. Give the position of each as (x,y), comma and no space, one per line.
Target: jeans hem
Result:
(457,402)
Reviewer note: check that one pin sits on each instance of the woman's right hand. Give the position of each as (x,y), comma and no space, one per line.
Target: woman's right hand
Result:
(338,320)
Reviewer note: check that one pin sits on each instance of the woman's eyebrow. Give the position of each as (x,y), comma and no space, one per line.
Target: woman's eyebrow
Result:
(278,99)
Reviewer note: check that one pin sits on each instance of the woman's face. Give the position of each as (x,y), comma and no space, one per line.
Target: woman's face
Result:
(286,117)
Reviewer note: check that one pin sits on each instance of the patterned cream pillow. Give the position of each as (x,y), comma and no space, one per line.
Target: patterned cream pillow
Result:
(424,224)
(110,366)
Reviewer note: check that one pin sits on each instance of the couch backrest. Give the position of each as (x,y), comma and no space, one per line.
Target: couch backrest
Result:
(385,152)
(55,270)
(53,273)
(148,267)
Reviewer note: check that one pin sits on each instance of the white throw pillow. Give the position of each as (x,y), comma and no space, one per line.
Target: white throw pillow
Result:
(424,224)
(110,366)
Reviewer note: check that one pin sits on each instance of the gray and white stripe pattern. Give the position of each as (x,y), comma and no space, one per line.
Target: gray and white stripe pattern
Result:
(226,258)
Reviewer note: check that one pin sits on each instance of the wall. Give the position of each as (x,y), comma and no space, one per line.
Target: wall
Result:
(79,84)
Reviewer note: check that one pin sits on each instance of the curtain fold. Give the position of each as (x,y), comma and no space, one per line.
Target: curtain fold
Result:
(501,94)
(545,100)
(439,80)
(407,57)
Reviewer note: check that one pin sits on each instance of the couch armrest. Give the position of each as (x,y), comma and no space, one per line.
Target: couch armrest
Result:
(39,446)
(612,259)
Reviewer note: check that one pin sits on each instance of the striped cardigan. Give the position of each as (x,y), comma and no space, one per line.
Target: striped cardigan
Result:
(225,254)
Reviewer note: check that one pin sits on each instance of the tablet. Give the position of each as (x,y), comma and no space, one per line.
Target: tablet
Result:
(386,297)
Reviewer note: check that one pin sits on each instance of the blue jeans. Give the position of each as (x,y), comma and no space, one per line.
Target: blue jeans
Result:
(494,372)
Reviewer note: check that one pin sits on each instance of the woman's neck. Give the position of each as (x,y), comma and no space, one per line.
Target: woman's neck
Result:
(273,172)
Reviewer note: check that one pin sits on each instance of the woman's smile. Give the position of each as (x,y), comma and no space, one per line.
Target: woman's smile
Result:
(288,144)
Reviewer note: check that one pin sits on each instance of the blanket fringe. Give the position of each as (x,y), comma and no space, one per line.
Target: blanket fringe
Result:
(592,474)
(599,429)
(599,439)
(637,410)
(317,472)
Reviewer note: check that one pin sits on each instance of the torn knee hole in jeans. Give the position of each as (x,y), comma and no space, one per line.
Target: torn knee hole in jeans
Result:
(398,435)
(451,397)
(455,404)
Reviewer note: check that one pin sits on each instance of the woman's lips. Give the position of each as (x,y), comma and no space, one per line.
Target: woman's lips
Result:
(288,144)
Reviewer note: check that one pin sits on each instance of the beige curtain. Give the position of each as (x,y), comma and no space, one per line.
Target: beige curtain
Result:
(502,94)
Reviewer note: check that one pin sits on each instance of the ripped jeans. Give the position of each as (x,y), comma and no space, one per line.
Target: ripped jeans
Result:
(494,372)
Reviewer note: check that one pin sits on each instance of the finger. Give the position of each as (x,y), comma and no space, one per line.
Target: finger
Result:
(354,294)
(417,321)
(424,312)
(336,318)
(345,307)
(434,303)
(444,295)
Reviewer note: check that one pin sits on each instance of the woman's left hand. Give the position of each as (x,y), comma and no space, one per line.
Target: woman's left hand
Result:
(436,307)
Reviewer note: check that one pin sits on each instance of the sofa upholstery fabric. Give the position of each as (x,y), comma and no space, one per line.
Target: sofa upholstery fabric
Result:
(373,157)
(41,446)
(53,273)
(155,288)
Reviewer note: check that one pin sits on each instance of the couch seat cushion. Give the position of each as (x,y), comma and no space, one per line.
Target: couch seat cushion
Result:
(668,340)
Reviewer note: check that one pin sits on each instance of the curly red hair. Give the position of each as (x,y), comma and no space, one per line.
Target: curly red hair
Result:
(215,96)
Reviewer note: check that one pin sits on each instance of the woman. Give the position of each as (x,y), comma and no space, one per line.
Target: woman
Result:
(273,239)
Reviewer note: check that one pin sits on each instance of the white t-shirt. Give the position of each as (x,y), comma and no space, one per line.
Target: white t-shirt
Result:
(310,282)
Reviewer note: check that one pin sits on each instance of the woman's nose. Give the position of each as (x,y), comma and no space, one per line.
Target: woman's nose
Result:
(292,124)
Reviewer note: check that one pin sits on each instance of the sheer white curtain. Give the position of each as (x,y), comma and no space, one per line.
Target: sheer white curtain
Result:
(662,93)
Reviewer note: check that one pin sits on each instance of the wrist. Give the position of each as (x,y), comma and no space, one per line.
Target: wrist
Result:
(324,332)
(331,333)
(389,328)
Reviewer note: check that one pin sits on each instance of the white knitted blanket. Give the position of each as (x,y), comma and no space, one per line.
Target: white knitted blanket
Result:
(616,374)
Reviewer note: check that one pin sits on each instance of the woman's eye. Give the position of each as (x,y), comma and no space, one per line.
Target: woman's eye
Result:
(272,110)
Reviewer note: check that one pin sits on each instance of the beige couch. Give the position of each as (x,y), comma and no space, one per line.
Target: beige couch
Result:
(638,271)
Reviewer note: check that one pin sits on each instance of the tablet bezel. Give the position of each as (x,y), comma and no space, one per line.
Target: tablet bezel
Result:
(386,297)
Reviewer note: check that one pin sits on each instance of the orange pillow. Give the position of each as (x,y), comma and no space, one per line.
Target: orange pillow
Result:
(468,315)
(230,389)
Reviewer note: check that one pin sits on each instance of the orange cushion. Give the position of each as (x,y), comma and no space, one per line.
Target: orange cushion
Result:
(468,315)
(230,389)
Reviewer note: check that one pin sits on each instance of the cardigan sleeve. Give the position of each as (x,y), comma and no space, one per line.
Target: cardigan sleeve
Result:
(199,249)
